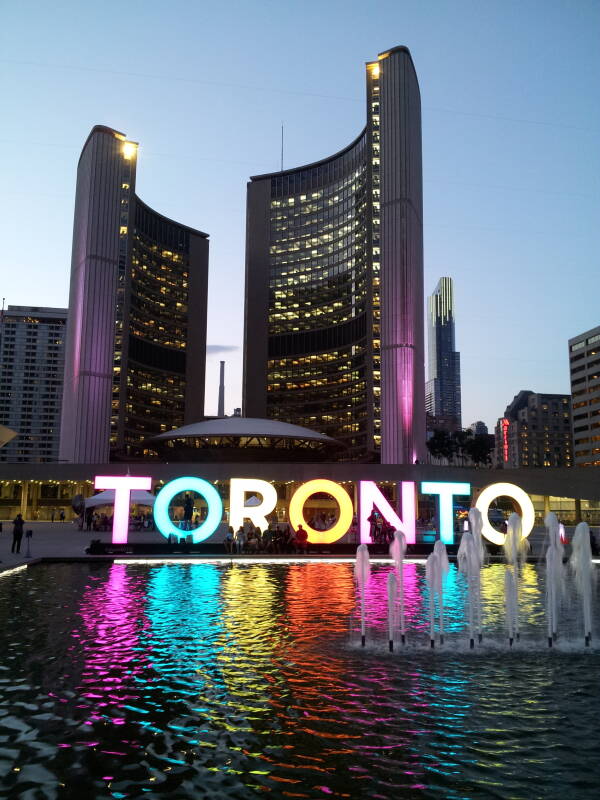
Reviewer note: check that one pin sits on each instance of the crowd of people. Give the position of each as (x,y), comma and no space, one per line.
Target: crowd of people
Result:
(277,538)
(91,520)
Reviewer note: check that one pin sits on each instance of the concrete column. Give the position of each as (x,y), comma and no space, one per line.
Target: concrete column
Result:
(546,505)
(577,510)
(402,336)
(24,494)
(34,496)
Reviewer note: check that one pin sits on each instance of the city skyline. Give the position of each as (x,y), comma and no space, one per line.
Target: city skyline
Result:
(510,171)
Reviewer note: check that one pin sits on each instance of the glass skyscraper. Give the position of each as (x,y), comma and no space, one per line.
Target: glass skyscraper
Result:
(334,282)
(443,386)
(136,334)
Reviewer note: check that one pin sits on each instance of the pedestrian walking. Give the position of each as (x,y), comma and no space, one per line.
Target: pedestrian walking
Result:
(18,524)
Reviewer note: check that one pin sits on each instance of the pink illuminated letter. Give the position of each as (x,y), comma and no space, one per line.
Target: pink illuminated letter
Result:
(122,484)
(371,498)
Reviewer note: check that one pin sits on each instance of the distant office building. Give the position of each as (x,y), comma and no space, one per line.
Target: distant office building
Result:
(442,395)
(334,282)
(136,338)
(448,424)
(479,428)
(535,432)
(32,357)
(584,367)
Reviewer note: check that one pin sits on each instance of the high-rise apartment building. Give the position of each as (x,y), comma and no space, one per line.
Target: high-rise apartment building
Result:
(334,282)
(442,394)
(535,432)
(136,338)
(479,428)
(32,355)
(584,367)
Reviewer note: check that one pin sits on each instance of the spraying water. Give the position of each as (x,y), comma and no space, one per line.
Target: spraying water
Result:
(581,562)
(468,564)
(439,548)
(432,568)
(362,573)
(510,600)
(397,551)
(554,575)
(436,568)
(392,589)
(515,550)
(476,524)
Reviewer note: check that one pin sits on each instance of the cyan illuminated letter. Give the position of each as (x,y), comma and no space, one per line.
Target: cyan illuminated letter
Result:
(202,487)
(446,492)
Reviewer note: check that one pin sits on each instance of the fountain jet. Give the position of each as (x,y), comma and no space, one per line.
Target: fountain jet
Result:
(581,562)
(362,573)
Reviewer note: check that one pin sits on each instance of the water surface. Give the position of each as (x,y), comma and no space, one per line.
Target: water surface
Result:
(247,681)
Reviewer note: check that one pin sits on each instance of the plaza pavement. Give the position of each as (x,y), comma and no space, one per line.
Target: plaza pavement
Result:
(65,540)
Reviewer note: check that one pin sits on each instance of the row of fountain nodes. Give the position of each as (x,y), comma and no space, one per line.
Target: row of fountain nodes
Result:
(472,557)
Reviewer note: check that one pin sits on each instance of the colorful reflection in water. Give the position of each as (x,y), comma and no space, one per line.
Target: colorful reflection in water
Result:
(112,614)
(244,681)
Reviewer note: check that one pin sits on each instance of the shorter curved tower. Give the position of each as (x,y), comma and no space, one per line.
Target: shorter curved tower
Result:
(334,282)
(136,332)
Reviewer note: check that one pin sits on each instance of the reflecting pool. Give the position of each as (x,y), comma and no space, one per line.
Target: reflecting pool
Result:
(201,680)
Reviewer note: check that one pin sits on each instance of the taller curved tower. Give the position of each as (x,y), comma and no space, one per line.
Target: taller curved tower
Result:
(334,282)
(136,333)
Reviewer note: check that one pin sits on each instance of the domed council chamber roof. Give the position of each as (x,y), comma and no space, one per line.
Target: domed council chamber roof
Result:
(243,439)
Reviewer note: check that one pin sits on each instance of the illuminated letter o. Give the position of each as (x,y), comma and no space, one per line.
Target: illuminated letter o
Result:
(202,487)
(338,493)
(495,490)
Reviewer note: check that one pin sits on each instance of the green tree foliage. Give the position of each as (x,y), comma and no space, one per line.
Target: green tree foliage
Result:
(461,446)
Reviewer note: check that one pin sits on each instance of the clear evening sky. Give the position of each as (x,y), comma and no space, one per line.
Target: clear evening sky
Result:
(511,156)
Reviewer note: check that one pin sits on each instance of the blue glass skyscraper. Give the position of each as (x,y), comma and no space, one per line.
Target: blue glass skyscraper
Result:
(442,396)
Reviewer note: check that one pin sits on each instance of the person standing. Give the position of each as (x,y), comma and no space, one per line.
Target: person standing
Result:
(301,540)
(62,515)
(188,512)
(18,524)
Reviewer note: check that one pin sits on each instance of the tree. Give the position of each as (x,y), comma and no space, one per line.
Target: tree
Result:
(441,445)
(479,449)
(462,441)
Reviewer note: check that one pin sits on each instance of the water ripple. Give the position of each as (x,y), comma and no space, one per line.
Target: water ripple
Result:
(245,681)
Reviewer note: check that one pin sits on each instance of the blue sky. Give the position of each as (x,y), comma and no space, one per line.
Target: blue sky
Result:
(511,162)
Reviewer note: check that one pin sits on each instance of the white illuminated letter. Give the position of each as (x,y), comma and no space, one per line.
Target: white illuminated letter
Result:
(371,498)
(122,484)
(446,492)
(495,490)
(257,514)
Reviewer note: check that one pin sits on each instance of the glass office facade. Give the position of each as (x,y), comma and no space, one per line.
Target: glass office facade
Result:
(319,363)
(149,395)
(135,354)
(314,241)
(443,394)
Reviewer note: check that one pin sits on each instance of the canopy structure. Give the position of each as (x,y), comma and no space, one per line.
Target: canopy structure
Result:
(244,439)
(6,435)
(136,498)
